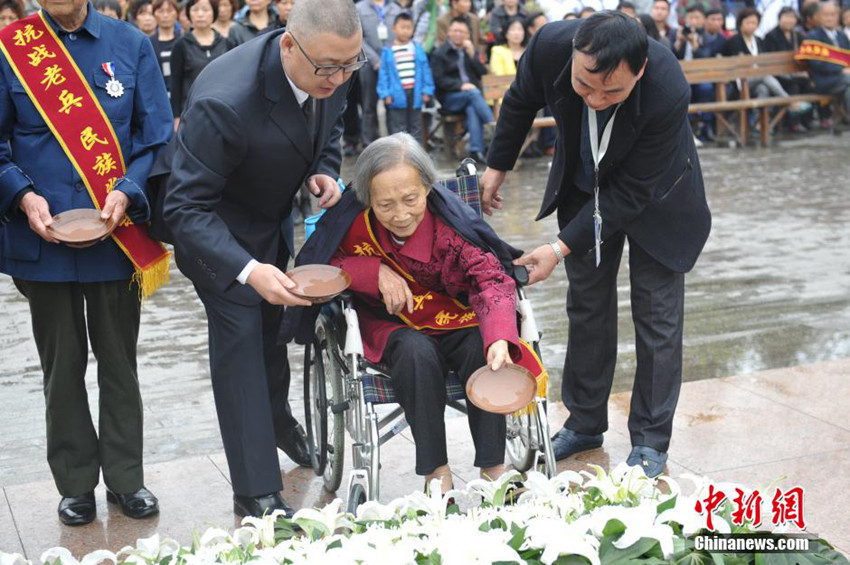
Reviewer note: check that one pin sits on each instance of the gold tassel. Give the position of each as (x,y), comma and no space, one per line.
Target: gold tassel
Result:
(542,391)
(153,277)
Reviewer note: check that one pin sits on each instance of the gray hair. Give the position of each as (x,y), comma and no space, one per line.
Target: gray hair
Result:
(387,153)
(312,17)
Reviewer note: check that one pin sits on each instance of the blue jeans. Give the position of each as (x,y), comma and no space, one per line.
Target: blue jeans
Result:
(477,111)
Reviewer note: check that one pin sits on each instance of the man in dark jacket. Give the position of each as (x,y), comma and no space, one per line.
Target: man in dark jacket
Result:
(260,121)
(457,75)
(642,182)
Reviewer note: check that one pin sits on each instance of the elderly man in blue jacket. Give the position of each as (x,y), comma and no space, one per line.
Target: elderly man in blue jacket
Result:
(104,74)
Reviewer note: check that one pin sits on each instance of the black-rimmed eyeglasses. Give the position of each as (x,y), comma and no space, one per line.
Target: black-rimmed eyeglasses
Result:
(328,70)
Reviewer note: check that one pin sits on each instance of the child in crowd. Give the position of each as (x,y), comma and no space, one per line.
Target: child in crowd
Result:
(404,79)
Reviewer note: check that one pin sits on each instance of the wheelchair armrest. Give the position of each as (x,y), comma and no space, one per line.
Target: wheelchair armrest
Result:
(520,275)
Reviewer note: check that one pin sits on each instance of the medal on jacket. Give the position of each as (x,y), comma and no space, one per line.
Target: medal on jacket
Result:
(598,147)
(113,87)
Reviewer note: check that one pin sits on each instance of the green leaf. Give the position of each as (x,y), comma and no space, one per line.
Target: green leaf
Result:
(667,504)
(693,558)
(517,537)
(614,528)
(571,560)
(610,555)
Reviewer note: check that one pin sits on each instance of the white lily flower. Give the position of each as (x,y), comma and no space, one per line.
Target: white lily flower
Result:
(61,556)
(374,511)
(264,527)
(556,537)
(640,522)
(13,559)
(214,537)
(323,522)
(490,489)
(148,550)
(244,537)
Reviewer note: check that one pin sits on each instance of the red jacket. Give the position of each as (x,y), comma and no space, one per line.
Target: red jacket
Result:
(440,260)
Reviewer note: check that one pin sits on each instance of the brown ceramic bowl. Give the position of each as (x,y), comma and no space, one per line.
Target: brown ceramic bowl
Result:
(501,392)
(79,228)
(318,283)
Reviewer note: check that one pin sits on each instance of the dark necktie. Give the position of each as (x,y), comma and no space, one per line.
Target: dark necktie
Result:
(309,109)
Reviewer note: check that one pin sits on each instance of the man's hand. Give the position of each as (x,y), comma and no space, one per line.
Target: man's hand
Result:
(325,189)
(388,100)
(469,47)
(491,180)
(394,291)
(498,355)
(114,209)
(541,262)
(38,213)
(426,98)
(274,286)
(468,86)
(680,37)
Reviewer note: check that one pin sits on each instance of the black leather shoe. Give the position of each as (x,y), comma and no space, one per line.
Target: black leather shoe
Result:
(139,504)
(479,157)
(77,510)
(567,442)
(260,505)
(294,443)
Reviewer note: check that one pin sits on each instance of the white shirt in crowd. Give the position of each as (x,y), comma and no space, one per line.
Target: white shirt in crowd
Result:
(769,10)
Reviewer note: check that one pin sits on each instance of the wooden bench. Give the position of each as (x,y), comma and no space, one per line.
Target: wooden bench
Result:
(495,88)
(722,70)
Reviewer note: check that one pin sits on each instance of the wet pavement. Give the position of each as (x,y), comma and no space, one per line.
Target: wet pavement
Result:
(771,290)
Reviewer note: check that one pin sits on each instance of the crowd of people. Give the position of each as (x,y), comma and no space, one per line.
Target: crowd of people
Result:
(427,52)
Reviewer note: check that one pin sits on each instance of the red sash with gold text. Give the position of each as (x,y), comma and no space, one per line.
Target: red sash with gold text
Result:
(67,104)
(811,50)
(431,310)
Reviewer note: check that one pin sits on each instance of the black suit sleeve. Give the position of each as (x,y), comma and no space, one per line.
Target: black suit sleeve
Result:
(521,103)
(634,181)
(211,143)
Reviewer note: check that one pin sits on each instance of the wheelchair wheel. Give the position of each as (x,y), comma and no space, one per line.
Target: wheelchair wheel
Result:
(521,441)
(326,393)
(356,497)
(315,399)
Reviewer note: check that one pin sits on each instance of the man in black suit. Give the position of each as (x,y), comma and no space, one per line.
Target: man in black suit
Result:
(650,191)
(260,121)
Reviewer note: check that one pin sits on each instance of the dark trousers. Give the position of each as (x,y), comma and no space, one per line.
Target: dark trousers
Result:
(419,364)
(369,103)
(250,379)
(657,297)
(63,316)
(407,119)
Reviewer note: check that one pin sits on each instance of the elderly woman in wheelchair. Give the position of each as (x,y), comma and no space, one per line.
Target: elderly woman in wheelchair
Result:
(432,295)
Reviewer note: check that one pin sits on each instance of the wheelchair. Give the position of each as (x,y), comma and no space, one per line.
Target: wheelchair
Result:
(342,391)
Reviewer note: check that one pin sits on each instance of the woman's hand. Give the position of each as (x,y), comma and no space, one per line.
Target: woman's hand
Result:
(394,290)
(498,355)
